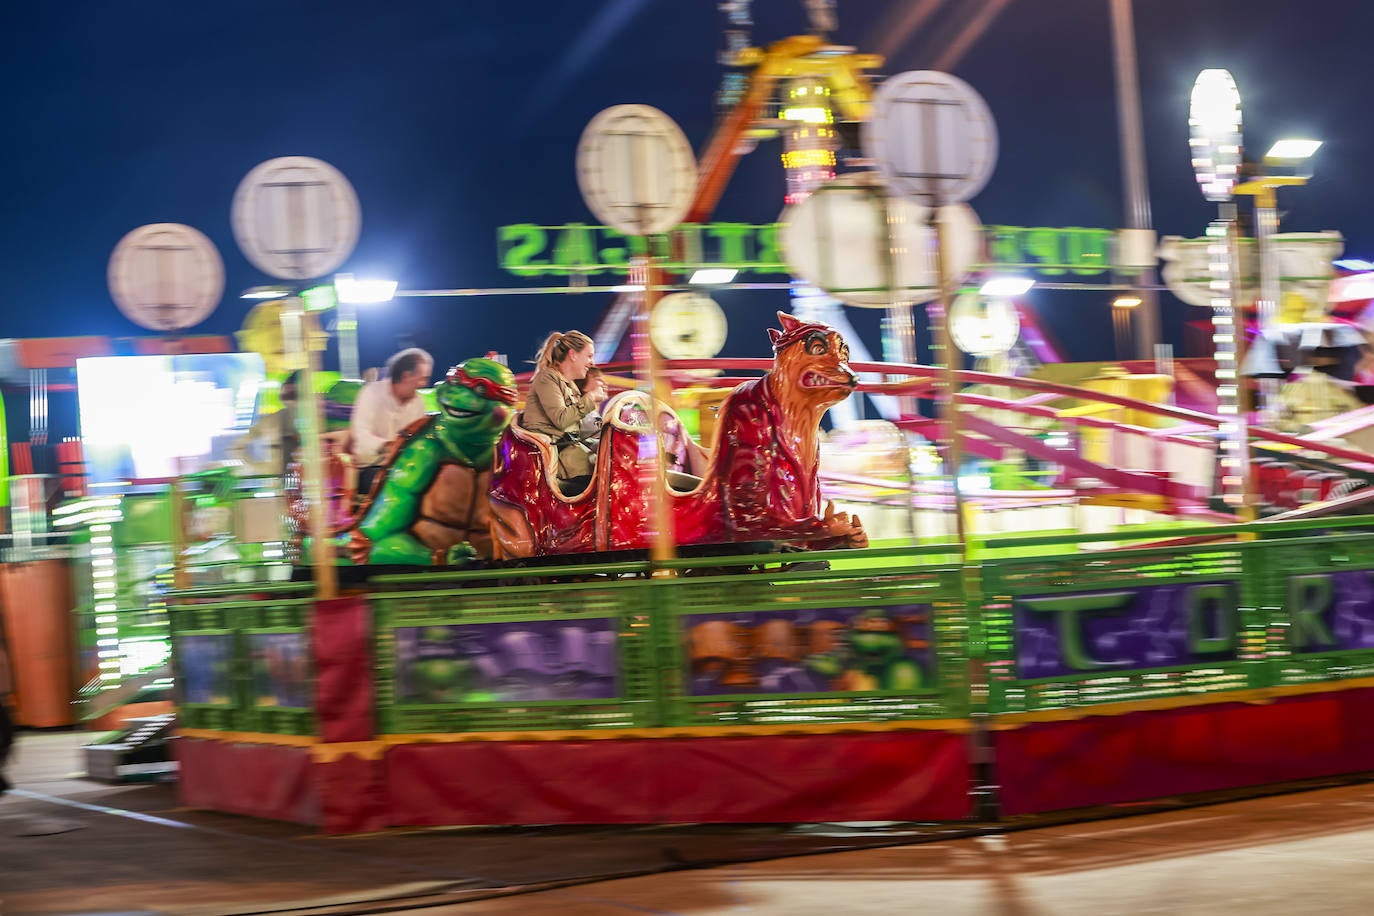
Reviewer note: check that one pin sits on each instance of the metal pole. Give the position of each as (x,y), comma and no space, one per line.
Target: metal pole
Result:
(663,546)
(1266,226)
(902,331)
(303,357)
(1264,190)
(181,576)
(1250,486)
(1229,340)
(1137,192)
(901,326)
(949,406)
(1267,305)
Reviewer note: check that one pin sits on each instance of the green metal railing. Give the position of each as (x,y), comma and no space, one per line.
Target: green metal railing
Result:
(881,635)
(242,658)
(500,656)
(812,640)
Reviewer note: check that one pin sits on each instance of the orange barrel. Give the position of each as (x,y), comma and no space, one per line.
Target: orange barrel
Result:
(35,604)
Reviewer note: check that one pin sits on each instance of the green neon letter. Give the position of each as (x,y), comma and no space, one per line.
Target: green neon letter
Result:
(1070,626)
(732,236)
(767,257)
(1004,245)
(573,250)
(686,246)
(1087,249)
(1309,597)
(1221,598)
(613,259)
(1043,245)
(518,246)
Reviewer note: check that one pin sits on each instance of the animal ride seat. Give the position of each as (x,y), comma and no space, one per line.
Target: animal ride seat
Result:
(681,482)
(629,412)
(546,451)
(574,486)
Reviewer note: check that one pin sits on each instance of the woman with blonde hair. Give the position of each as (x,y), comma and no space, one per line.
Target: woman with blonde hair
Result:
(555,407)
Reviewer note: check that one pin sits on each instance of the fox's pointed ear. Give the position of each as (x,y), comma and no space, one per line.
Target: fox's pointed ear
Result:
(774,335)
(788,322)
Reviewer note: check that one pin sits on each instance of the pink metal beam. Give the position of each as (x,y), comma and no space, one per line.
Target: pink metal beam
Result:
(1129,481)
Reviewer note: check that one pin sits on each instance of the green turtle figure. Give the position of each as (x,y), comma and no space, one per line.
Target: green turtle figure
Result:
(430,504)
(873,657)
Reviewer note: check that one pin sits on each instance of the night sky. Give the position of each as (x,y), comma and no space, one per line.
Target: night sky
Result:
(454,117)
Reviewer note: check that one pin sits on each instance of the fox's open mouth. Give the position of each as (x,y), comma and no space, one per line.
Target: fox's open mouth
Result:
(818,380)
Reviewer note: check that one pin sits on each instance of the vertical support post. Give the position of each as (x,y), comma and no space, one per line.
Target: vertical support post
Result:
(181,577)
(1132,135)
(1266,226)
(1267,305)
(303,357)
(1249,485)
(1265,192)
(1227,342)
(949,405)
(650,375)
(901,328)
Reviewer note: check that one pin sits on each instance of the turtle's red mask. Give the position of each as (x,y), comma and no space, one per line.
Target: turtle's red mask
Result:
(488,388)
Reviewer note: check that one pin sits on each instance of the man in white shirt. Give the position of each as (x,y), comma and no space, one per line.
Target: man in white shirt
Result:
(385,407)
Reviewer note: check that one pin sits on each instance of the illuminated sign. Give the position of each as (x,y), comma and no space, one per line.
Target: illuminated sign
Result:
(529,250)
(1162,626)
(1129,628)
(1071,250)
(1331,612)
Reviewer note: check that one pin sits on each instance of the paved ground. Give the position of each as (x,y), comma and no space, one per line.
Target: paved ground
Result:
(70,845)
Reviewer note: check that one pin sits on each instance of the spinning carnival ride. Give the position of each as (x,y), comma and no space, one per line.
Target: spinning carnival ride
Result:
(1108,630)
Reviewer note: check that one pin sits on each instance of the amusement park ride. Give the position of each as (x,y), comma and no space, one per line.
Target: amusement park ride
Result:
(1051,557)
